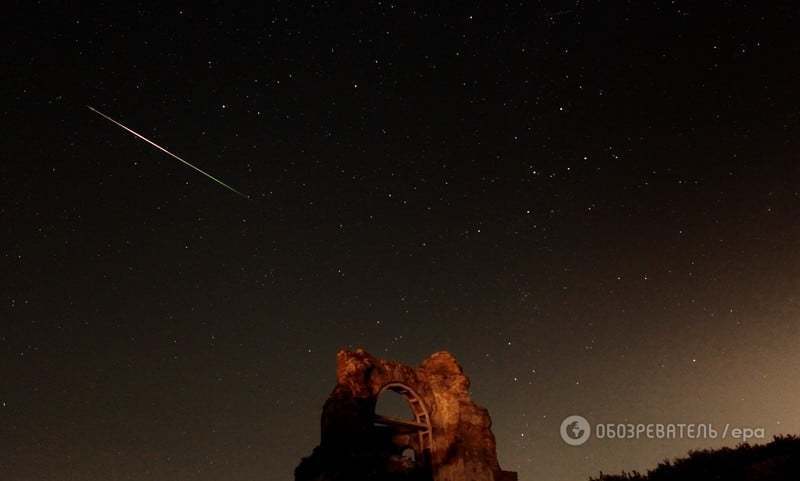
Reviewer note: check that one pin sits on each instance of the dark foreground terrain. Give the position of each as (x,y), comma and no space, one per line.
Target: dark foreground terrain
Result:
(778,460)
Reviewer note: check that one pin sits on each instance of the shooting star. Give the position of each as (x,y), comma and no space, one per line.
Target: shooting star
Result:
(168,152)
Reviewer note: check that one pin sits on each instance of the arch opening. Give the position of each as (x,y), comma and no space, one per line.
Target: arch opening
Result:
(392,404)
(407,424)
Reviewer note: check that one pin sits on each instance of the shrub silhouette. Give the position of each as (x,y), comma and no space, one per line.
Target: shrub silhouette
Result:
(778,460)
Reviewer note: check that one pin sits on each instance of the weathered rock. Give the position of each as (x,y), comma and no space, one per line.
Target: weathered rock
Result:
(450,435)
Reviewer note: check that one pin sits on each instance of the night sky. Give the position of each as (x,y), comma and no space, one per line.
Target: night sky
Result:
(595,206)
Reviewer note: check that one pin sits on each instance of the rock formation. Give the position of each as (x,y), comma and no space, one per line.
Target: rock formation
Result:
(448,439)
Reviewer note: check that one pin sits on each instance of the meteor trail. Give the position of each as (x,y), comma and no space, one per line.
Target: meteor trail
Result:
(168,152)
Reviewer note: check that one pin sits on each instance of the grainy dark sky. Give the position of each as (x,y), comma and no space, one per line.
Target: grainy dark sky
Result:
(593,205)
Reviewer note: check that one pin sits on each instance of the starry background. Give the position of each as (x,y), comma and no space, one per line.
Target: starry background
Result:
(594,206)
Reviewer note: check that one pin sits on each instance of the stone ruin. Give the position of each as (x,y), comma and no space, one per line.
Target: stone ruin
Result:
(449,437)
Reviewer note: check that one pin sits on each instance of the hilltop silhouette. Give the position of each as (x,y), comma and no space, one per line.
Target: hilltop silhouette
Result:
(778,460)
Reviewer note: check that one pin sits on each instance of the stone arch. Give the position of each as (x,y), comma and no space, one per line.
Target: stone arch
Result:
(450,434)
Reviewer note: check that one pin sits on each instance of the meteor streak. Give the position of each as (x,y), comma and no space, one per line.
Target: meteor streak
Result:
(168,152)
